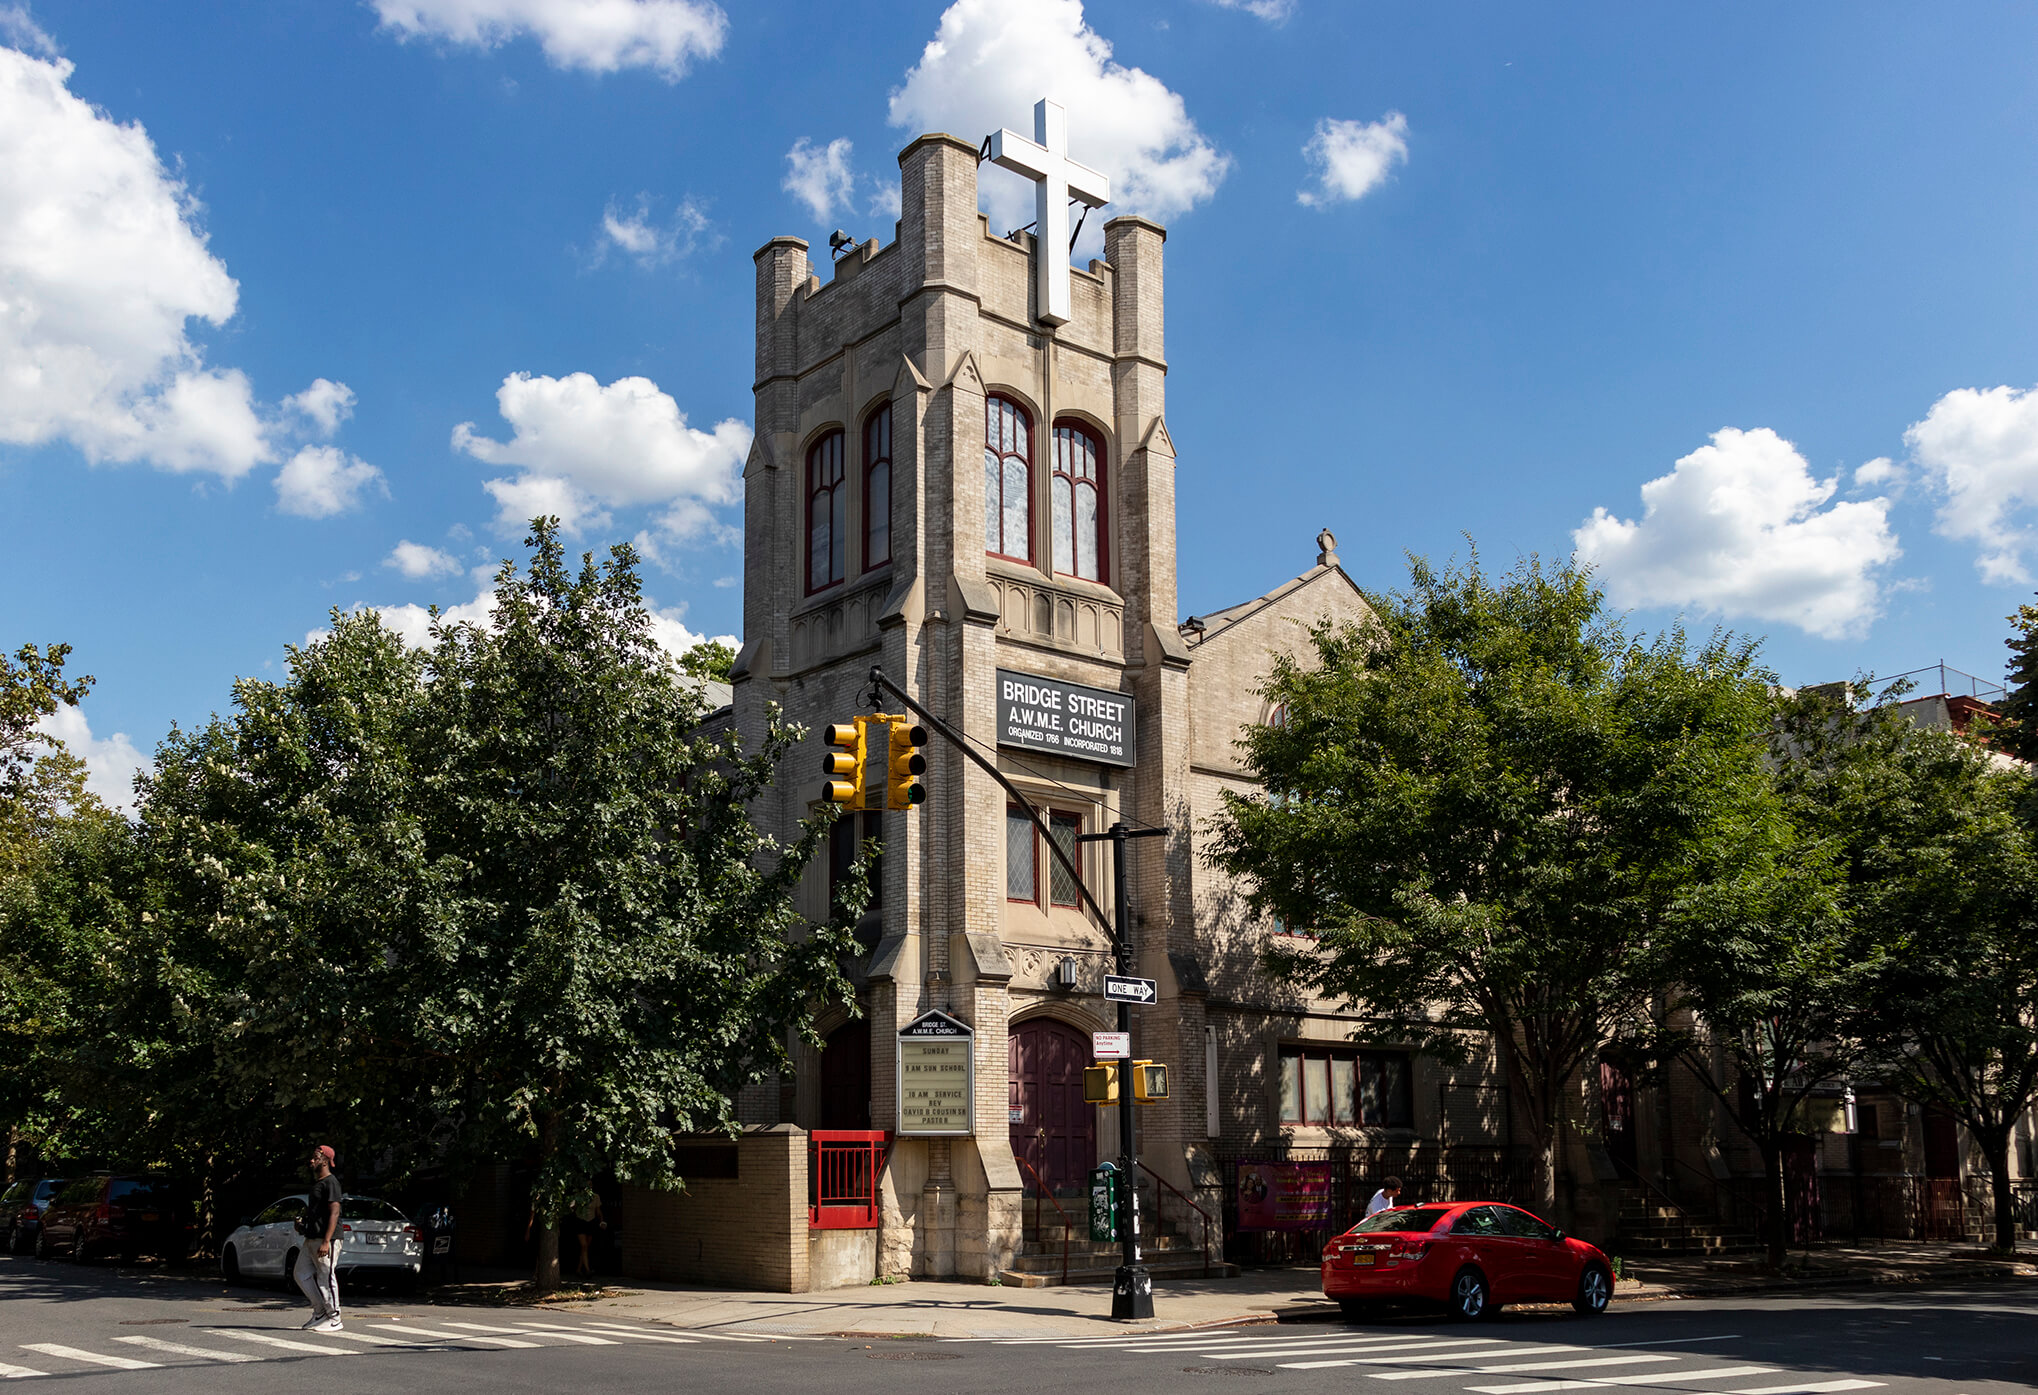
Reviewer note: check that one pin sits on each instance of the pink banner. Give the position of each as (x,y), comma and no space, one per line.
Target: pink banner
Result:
(1284,1196)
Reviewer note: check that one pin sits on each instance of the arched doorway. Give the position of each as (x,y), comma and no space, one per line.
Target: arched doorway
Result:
(845,1077)
(1052,1129)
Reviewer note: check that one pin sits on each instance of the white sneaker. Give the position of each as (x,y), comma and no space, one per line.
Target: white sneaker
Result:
(309,1323)
(331,1324)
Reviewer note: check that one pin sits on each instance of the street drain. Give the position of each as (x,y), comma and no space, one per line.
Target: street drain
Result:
(150,1322)
(1227,1370)
(913,1356)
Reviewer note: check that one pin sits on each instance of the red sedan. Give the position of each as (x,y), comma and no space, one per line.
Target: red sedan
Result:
(1470,1256)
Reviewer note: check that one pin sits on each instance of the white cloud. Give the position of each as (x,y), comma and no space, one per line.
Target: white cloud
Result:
(17,29)
(322,481)
(413,623)
(419,562)
(1740,528)
(102,263)
(596,36)
(819,176)
(1352,158)
(110,762)
(584,448)
(1980,447)
(325,404)
(647,240)
(1272,11)
(990,61)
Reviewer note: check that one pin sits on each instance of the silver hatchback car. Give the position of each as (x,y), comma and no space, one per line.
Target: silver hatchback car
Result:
(376,1240)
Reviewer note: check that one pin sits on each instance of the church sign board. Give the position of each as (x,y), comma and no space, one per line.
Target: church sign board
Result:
(1064,719)
(937,1077)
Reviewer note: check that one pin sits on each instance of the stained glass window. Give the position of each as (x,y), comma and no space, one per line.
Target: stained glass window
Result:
(827,513)
(1008,480)
(1079,542)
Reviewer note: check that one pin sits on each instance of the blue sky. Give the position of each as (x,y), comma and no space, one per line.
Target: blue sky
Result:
(301,303)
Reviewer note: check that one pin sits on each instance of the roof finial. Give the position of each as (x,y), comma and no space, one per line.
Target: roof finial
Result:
(1326,549)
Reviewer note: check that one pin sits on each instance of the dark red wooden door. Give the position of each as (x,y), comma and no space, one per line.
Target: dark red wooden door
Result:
(1052,1129)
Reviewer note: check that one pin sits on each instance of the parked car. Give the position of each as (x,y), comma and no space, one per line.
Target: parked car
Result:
(1471,1257)
(128,1214)
(21,1208)
(376,1240)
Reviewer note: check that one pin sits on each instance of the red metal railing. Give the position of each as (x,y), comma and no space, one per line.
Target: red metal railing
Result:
(1184,1196)
(1042,1189)
(843,1166)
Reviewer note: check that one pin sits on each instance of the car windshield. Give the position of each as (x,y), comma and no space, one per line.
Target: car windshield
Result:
(368,1208)
(17,1192)
(49,1187)
(141,1191)
(1411,1218)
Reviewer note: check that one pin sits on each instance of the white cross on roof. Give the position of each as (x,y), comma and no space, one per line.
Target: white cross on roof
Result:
(1056,179)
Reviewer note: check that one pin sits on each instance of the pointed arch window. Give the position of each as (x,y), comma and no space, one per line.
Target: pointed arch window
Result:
(827,513)
(1079,537)
(877,487)
(1008,480)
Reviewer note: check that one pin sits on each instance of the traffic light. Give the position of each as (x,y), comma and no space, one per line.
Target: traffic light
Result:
(1149,1081)
(844,765)
(902,774)
(1100,1084)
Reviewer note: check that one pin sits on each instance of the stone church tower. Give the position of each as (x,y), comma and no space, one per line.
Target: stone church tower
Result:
(948,483)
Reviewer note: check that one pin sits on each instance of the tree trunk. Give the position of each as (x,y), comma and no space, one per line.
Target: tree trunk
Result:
(1545,1146)
(546,1276)
(1995,1146)
(1776,1218)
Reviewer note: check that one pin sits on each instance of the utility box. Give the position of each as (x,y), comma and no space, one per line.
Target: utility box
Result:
(1100,1084)
(1104,1202)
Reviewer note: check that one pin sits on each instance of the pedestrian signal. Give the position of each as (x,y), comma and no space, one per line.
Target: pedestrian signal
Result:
(844,765)
(1100,1084)
(1149,1081)
(903,789)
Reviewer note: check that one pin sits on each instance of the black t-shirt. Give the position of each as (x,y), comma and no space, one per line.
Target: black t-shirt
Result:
(318,1207)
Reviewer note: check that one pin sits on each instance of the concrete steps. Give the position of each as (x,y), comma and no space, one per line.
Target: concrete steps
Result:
(1649,1225)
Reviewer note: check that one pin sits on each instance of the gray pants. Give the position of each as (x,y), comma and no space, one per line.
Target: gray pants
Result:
(317,1278)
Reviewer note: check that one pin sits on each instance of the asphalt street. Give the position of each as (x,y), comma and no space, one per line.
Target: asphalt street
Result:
(96,1327)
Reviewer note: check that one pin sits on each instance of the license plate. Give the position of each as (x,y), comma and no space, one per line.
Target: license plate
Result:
(1362,1259)
(443,1245)
(149,1215)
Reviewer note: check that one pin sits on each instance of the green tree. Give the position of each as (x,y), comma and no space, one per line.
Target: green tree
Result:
(1492,803)
(710,659)
(1941,886)
(2018,732)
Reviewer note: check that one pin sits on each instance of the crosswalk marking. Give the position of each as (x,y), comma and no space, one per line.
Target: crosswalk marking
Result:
(270,1340)
(564,1334)
(1277,1345)
(1538,1387)
(642,1334)
(461,1336)
(1522,1366)
(732,1337)
(350,1334)
(118,1363)
(180,1349)
(1433,1352)
(1819,1387)
(8,1372)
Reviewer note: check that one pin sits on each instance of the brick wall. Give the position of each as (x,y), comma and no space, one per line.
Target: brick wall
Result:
(749,1231)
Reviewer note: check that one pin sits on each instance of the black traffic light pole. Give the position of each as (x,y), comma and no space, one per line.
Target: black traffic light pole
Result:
(1132,1287)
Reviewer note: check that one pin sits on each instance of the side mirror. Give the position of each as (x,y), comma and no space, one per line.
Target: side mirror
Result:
(247,1220)
(1560,1237)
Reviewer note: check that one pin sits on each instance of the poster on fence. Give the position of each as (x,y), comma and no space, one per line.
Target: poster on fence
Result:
(1284,1196)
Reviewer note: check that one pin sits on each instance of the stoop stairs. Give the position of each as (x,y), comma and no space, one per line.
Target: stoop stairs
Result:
(1649,1224)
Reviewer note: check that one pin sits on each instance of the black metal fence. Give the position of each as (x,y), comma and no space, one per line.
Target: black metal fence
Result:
(1354,1173)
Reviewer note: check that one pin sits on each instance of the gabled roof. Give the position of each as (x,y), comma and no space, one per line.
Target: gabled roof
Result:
(1216,622)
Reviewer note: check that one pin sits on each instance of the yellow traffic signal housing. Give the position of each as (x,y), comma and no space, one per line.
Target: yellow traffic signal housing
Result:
(1100,1084)
(906,765)
(844,765)
(1149,1081)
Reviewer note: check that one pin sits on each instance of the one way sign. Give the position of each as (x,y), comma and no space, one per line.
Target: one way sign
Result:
(1129,990)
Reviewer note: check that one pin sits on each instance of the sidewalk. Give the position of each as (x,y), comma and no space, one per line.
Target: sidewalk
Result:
(959,1309)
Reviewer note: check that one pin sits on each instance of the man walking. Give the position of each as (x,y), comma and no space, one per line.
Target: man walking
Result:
(316,1258)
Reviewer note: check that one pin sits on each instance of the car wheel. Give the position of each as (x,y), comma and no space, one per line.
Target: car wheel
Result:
(1469,1296)
(43,1249)
(1595,1291)
(230,1265)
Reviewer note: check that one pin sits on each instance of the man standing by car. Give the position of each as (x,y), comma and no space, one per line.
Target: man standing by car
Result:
(320,1226)
(1387,1198)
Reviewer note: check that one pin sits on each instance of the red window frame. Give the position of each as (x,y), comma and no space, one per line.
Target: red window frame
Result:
(1005,446)
(1078,468)
(1074,823)
(826,490)
(877,493)
(1045,868)
(1363,1066)
(1013,811)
